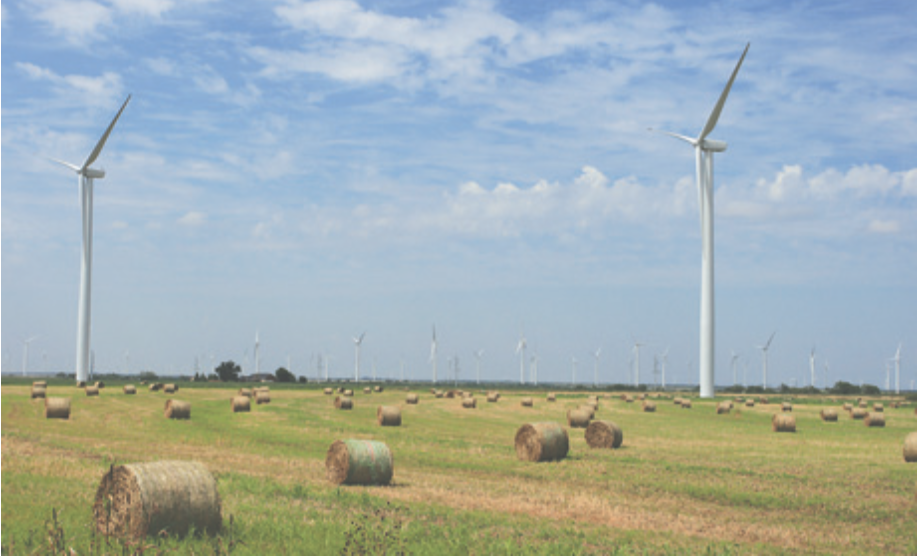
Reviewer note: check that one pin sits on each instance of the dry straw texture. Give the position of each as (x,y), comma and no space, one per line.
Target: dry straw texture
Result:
(786,407)
(153,387)
(649,407)
(42,383)
(142,499)
(628,399)
(783,423)
(604,434)
(262,397)
(328,391)
(378,389)
(894,404)
(469,402)
(724,407)
(388,415)
(859,413)
(552,397)
(527,402)
(342,403)
(412,398)
(38,392)
(57,407)
(875,419)
(763,400)
(169,388)
(542,441)
(686,403)
(829,415)
(578,418)
(909,448)
(240,404)
(362,462)
(847,407)
(862,404)
(677,400)
(348,393)
(366,390)
(750,403)
(129,389)
(439,394)
(878,407)
(589,409)
(492,397)
(176,409)
(91,391)
(245,392)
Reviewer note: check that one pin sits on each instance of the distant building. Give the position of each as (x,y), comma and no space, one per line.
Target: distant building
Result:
(258,378)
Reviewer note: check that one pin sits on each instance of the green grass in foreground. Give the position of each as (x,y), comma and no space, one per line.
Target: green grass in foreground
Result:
(685,481)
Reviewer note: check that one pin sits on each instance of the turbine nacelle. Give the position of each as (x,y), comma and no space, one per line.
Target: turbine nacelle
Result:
(94,173)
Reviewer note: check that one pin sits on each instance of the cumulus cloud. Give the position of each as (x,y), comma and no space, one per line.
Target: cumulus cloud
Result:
(102,90)
(883,226)
(192,219)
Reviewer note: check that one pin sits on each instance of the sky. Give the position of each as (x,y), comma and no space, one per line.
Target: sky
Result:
(313,170)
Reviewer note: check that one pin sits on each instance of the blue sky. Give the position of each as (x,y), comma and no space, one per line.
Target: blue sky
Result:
(313,170)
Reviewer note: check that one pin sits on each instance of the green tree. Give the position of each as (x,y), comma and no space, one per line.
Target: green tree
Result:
(148,376)
(283,375)
(228,371)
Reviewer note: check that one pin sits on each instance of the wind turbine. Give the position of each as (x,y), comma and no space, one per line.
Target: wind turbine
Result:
(25,353)
(520,350)
(256,352)
(664,359)
(704,166)
(85,177)
(358,353)
(534,368)
(433,356)
(573,381)
(637,347)
(478,355)
(597,354)
(733,360)
(765,360)
(896,368)
(813,367)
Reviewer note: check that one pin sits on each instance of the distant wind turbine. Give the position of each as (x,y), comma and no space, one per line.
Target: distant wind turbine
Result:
(733,360)
(478,355)
(637,347)
(25,353)
(813,367)
(534,369)
(520,350)
(664,359)
(256,353)
(573,379)
(358,353)
(597,354)
(85,177)
(433,356)
(896,368)
(704,164)
(765,360)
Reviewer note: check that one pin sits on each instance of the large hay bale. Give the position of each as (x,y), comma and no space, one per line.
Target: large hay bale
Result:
(153,387)
(578,418)
(91,391)
(412,399)
(378,389)
(142,499)
(340,390)
(129,389)
(41,383)
(750,403)
(388,415)
(909,448)
(366,391)
(348,393)
(492,397)
(245,392)
(328,391)
(57,407)
(469,402)
(262,397)
(786,407)
(677,400)
(37,392)
(628,399)
(649,407)
(552,397)
(876,420)
(589,409)
(878,407)
(783,423)
(894,404)
(528,402)
(360,462)
(170,388)
(604,434)
(99,385)
(829,415)
(847,407)
(240,404)
(862,404)
(342,403)
(439,394)
(594,403)
(686,403)
(859,413)
(763,400)
(450,394)
(176,409)
(739,399)
(724,407)
(542,441)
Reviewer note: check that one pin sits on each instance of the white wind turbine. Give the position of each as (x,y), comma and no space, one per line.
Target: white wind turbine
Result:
(597,354)
(637,347)
(520,350)
(478,355)
(25,353)
(85,177)
(765,360)
(813,367)
(433,356)
(704,165)
(733,360)
(256,353)
(534,369)
(896,368)
(358,353)
(573,379)
(664,359)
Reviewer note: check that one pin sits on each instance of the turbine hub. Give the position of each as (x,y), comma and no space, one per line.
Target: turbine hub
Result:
(713,145)
(94,173)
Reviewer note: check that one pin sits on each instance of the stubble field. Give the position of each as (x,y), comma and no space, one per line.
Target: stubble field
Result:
(685,481)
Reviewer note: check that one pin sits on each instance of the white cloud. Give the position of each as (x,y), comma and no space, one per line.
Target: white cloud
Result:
(192,219)
(883,226)
(77,20)
(102,90)
(152,8)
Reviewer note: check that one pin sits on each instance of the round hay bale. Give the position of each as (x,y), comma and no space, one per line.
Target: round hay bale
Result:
(552,397)
(786,407)
(328,391)
(909,448)
(450,394)
(594,403)
(492,397)
(240,404)
(878,407)
(527,402)
(41,383)
(847,407)
(245,392)
(862,404)
(176,409)
(578,418)
(412,398)
(750,403)
(623,397)
(604,434)
(829,415)
(262,397)
(168,388)
(859,413)
(340,390)
(686,403)
(388,415)
(894,404)
(344,403)
(57,407)
(677,400)
(469,402)
(542,441)
(37,392)
(876,420)
(783,423)
(629,399)
(91,391)
(360,462)
(763,400)
(649,407)
(723,408)
(739,399)
(378,389)
(129,389)
(439,394)
(366,391)
(142,499)
(99,385)
(589,409)
(348,393)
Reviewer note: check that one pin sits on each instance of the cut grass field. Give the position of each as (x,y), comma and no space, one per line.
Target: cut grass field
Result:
(685,481)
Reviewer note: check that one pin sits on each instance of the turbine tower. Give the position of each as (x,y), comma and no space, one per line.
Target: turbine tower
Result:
(896,368)
(637,347)
(813,367)
(704,165)
(85,177)
(358,353)
(520,350)
(433,356)
(765,360)
(256,353)
(664,359)
(733,360)
(597,354)
(573,380)
(478,355)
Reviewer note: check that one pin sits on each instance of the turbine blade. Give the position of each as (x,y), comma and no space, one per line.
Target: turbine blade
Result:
(715,114)
(692,141)
(768,344)
(71,166)
(102,141)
